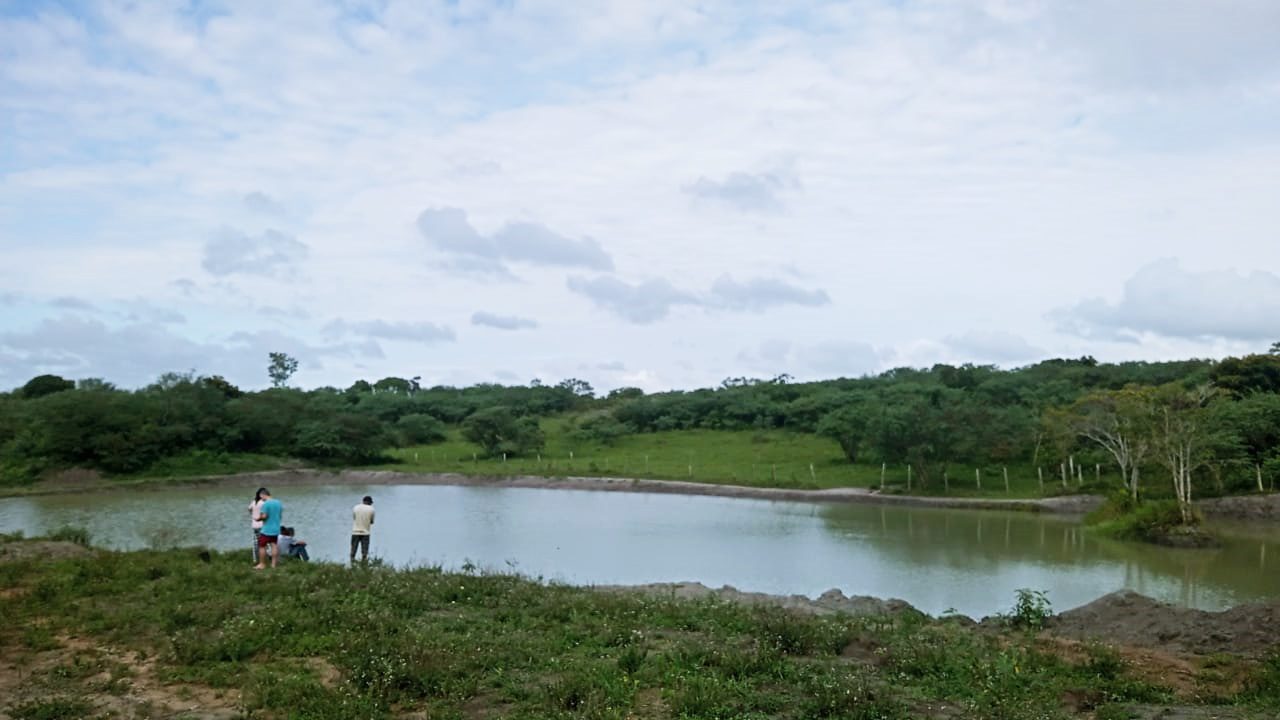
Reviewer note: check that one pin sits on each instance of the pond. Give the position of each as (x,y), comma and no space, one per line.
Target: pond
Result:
(936,559)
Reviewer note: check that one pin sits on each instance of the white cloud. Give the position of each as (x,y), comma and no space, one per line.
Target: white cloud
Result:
(652,300)
(260,202)
(1164,299)
(272,253)
(79,347)
(449,229)
(744,191)
(993,346)
(759,294)
(502,322)
(644,302)
(417,332)
(962,162)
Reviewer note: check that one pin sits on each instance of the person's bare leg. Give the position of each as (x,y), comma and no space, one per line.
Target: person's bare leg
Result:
(275,554)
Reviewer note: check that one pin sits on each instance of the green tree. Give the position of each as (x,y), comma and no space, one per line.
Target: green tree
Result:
(497,430)
(419,429)
(1182,435)
(847,426)
(281,368)
(1116,421)
(42,385)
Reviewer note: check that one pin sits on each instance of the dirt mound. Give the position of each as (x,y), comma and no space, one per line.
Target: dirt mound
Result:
(1249,507)
(41,550)
(831,601)
(1127,618)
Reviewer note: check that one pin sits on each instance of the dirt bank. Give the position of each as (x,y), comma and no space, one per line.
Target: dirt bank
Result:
(1127,618)
(831,601)
(1245,507)
(1069,504)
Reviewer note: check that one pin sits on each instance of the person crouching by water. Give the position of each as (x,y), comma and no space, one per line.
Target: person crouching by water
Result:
(291,547)
(361,527)
(271,513)
(255,509)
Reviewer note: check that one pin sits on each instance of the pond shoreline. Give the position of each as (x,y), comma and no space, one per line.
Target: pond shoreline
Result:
(86,483)
(1265,508)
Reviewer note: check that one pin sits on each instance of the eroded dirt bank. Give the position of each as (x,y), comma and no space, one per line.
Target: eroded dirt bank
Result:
(89,482)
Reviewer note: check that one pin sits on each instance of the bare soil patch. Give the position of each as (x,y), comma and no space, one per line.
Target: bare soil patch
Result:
(116,683)
(1127,618)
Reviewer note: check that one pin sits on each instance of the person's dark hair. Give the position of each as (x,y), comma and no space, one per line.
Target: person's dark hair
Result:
(258,495)
(286,531)
(367,500)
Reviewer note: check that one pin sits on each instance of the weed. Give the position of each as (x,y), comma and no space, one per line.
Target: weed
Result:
(54,709)
(70,533)
(1030,610)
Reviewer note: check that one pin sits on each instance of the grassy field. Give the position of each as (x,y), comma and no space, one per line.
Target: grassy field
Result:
(770,458)
(158,634)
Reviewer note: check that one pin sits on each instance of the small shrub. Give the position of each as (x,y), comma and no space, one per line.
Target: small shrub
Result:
(71,533)
(1030,610)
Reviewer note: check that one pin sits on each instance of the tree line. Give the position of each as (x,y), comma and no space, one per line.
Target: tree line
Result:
(1212,424)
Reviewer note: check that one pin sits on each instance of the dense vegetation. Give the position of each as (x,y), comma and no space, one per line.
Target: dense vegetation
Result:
(91,633)
(1214,423)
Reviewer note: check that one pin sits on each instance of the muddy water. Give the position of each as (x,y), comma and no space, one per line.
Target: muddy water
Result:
(969,561)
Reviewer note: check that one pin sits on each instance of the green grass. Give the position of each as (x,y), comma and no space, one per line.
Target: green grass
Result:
(199,463)
(458,645)
(765,458)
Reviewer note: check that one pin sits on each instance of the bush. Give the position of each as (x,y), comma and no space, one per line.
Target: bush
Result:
(601,429)
(497,431)
(1030,610)
(419,429)
(69,533)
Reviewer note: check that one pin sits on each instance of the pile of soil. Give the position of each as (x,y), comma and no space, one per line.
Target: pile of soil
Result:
(1127,618)
(831,601)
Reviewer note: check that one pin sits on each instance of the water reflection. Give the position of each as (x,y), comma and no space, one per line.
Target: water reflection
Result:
(935,559)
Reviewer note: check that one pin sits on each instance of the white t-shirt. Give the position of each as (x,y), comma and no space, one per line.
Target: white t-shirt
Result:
(255,509)
(362,519)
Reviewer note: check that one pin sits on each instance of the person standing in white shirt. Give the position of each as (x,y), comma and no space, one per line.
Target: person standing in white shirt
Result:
(361,527)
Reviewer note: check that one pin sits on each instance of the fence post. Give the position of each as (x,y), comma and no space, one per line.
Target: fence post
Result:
(908,478)
(812,475)
(1062,468)
(977,474)
(1040,475)
(1006,481)
(1097,472)
(882,466)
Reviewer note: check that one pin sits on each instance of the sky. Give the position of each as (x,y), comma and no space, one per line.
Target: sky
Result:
(649,193)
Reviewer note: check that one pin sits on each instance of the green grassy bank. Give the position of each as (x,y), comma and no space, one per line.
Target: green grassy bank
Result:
(765,458)
(327,641)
